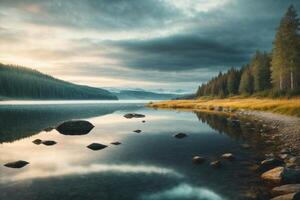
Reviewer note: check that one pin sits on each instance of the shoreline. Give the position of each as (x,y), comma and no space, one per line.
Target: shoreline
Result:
(281,135)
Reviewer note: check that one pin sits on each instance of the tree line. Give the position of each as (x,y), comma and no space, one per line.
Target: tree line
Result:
(23,83)
(276,73)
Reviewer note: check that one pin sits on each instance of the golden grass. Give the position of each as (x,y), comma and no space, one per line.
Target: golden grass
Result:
(280,106)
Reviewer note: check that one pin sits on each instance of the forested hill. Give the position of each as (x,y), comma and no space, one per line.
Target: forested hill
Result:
(268,74)
(23,83)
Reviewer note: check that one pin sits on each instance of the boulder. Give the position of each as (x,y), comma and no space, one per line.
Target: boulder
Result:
(143,121)
(75,127)
(285,197)
(133,115)
(198,159)
(216,164)
(270,164)
(137,131)
(17,164)
(37,141)
(286,189)
(48,142)
(96,146)
(180,135)
(228,156)
(116,143)
(273,175)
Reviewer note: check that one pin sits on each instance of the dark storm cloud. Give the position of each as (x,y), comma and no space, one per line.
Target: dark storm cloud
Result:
(182,52)
(105,15)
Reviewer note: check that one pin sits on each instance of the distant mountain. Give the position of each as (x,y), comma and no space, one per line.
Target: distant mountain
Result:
(142,94)
(23,83)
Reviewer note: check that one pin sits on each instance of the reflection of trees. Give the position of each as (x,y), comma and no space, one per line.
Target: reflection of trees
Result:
(19,121)
(232,127)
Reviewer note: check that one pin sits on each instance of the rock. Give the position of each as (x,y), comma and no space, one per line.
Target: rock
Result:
(218,108)
(286,189)
(285,197)
(293,161)
(116,143)
(37,141)
(133,115)
(283,156)
(48,129)
(228,156)
(198,159)
(75,127)
(137,131)
(143,121)
(48,142)
(246,146)
(273,175)
(180,135)
(216,164)
(269,164)
(17,164)
(96,146)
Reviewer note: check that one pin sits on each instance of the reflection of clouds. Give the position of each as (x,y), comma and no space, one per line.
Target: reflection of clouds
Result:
(184,191)
(93,168)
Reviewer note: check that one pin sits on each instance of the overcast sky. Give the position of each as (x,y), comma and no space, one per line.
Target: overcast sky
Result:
(152,44)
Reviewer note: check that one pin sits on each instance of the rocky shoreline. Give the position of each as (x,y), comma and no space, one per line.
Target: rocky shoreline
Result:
(280,164)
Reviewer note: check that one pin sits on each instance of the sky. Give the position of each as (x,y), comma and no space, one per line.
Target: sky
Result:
(157,45)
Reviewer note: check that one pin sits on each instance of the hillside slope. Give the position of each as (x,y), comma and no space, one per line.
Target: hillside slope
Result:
(24,83)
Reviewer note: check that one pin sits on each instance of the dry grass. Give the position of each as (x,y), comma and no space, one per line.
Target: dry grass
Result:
(280,106)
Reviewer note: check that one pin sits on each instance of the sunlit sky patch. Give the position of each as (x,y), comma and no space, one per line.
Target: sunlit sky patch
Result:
(160,45)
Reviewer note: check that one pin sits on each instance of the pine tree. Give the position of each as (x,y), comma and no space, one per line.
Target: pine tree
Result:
(260,66)
(233,81)
(246,84)
(286,53)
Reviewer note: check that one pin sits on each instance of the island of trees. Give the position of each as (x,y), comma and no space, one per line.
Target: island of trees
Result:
(268,74)
(23,83)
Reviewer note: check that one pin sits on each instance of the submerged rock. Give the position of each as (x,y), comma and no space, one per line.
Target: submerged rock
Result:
(75,127)
(133,115)
(198,159)
(48,142)
(216,164)
(37,141)
(228,156)
(246,146)
(96,146)
(17,164)
(137,131)
(180,135)
(286,189)
(116,143)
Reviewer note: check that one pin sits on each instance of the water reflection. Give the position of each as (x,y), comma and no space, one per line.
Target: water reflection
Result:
(66,170)
(20,121)
(149,165)
(184,192)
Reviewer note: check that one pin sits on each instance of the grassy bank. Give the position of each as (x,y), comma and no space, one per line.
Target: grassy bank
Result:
(280,106)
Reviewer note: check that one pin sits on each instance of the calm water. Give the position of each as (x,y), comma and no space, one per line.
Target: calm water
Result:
(151,165)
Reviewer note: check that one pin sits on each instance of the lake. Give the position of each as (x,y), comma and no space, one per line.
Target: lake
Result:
(151,165)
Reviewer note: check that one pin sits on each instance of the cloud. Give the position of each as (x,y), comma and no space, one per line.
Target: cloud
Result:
(155,43)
